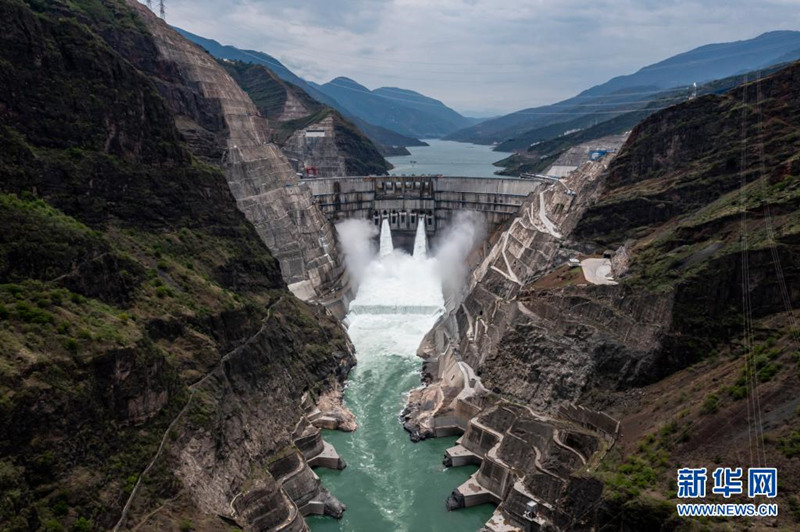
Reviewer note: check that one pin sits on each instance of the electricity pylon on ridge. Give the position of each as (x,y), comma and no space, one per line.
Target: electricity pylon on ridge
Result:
(162,7)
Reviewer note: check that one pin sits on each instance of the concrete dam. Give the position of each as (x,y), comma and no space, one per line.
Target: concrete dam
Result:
(404,200)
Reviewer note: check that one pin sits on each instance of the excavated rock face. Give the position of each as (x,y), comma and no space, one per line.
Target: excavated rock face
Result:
(523,253)
(320,152)
(226,128)
(312,136)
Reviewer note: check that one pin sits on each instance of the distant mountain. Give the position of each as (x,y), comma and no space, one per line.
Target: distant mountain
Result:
(544,146)
(387,110)
(404,111)
(221,51)
(624,94)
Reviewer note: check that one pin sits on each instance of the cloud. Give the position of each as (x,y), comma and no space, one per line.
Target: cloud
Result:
(478,54)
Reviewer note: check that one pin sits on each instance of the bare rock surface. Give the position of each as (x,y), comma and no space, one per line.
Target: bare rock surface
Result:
(210,105)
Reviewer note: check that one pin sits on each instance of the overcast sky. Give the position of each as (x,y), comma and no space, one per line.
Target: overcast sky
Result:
(481,57)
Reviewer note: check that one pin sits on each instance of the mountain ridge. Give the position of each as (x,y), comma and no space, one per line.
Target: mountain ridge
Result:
(629,92)
(402,111)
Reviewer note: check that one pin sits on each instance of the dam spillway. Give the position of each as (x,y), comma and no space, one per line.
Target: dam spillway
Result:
(421,242)
(387,246)
(398,284)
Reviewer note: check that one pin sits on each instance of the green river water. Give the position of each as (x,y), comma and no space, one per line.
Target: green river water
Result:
(390,483)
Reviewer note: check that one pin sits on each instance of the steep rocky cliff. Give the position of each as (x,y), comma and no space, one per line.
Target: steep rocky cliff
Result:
(312,135)
(536,332)
(153,364)
(223,127)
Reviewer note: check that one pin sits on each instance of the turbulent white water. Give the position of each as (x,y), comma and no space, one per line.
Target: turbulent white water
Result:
(399,284)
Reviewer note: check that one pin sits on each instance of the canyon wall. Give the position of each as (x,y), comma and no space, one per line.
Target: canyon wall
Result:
(156,372)
(668,210)
(208,104)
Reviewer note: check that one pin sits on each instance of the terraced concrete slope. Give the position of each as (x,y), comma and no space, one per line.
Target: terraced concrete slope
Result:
(226,128)
(522,457)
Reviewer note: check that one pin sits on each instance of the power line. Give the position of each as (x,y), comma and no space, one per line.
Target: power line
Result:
(744,281)
(786,297)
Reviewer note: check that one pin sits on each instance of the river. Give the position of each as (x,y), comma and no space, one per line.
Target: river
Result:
(390,483)
(450,158)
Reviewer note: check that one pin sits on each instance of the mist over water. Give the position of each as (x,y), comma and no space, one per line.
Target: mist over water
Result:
(467,229)
(355,239)
(391,483)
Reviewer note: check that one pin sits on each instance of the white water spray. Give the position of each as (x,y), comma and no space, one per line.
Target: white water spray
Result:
(466,230)
(386,239)
(421,240)
(356,242)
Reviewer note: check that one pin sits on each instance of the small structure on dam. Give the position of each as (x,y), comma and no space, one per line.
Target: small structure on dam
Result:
(404,200)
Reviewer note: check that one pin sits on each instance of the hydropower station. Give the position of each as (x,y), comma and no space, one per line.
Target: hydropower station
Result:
(405,200)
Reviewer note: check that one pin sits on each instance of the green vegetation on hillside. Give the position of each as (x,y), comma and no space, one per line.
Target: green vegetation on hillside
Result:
(674,198)
(126,270)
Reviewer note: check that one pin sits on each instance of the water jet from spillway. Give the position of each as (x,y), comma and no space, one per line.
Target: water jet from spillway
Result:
(386,239)
(421,241)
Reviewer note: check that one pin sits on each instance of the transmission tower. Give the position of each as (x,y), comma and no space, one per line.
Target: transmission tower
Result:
(162,7)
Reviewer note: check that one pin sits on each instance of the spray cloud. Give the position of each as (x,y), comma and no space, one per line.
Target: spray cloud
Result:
(355,241)
(466,230)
